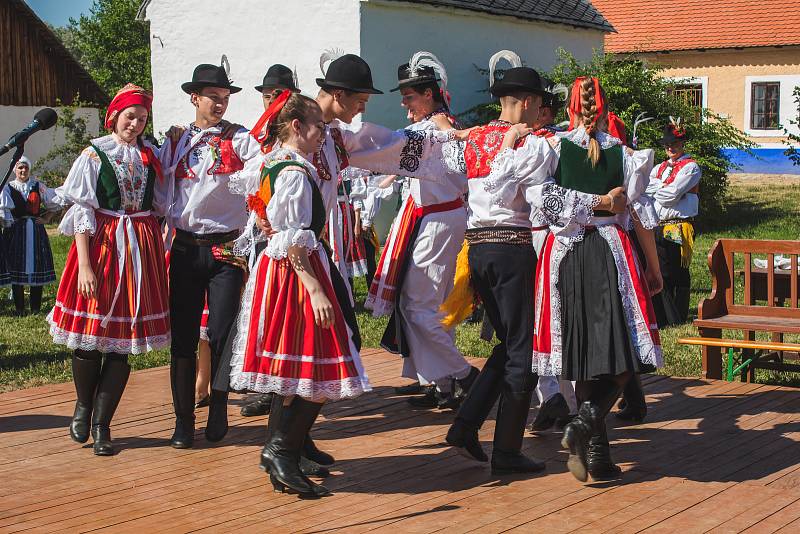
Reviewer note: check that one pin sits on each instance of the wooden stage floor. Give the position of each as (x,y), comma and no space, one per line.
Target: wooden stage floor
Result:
(711,456)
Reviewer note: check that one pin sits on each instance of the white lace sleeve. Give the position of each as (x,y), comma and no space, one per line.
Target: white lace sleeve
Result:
(246,181)
(637,167)
(6,205)
(80,192)
(290,212)
(565,211)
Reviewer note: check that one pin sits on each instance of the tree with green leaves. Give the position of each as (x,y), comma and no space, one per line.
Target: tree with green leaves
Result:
(53,167)
(111,44)
(632,87)
(793,139)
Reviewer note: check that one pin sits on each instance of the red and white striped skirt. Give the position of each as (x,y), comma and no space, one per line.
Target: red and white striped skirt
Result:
(279,349)
(130,311)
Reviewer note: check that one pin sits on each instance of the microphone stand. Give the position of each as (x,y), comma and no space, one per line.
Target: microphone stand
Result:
(14,159)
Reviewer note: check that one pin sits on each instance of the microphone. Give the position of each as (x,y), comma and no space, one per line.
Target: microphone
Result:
(44,119)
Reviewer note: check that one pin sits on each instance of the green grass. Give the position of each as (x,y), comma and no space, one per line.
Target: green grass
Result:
(29,358)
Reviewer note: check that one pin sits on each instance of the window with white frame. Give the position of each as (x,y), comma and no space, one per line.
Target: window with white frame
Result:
(765,104)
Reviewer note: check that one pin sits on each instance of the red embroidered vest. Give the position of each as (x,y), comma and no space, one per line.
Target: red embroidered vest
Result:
(226,160)
(482,147)
(675,170)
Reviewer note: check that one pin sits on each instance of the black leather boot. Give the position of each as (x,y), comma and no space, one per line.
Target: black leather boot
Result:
(463,433)
(86,374)
(308,467)
(311,452)
(633,405)
(598,457)
(258,406)
(576,438)
(182,377)
(281,453)
(113,378)
(550,411)
(507,457)
(217,424)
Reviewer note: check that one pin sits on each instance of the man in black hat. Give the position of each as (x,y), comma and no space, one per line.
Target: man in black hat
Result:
(278,78)
(206,217)
(423,249)
(508,173)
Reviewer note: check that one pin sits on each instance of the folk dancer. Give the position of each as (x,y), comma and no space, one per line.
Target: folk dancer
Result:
(112,298)
(507,177)
(277,79)
(6,221)
(291,311)
(30,258)
(594,318)
(206,217)
(415,272)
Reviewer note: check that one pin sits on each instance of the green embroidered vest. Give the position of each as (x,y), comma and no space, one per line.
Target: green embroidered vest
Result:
(318,214)
(575,171)
(108,193)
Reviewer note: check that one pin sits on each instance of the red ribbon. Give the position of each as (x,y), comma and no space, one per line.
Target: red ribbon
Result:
(149,159)
(261,129)
(575,106)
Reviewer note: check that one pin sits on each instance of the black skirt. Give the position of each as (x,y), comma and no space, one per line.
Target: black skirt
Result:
(5,279)
(596,338)
(28,255)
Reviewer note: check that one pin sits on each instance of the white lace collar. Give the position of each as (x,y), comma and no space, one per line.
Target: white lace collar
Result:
(111,145)
(282,153)
(579,137)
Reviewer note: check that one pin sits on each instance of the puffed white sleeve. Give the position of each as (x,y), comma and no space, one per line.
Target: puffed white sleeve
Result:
(290,212)
(414,153)
(246,181)
(637,165)
(245,145)
(358,185)
(654,182)
(6,205)
(528,166)
(80,193)
(688,177)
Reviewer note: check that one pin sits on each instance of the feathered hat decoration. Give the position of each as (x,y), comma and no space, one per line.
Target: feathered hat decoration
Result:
(641,118)
(677,126)
(427,59)
(509,56)
(332,54)
(225,64)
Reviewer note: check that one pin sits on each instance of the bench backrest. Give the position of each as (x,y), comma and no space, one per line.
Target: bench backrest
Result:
(767,284)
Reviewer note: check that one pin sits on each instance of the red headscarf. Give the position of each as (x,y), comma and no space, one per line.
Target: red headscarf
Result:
(261,130)
(130,95)
(616,127)
(575,107)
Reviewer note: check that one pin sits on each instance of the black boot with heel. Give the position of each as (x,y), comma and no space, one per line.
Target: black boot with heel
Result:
(113,379)
(507,457)
(182,379)
(86,374)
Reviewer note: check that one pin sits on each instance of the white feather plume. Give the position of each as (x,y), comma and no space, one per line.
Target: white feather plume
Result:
(509,56)
(560,90)
(331,54)
(427,59)
(294,76)
(224,63)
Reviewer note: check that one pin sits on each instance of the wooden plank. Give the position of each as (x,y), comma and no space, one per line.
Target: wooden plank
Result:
(793,281)
(771,280)
(738,343)
(748,272)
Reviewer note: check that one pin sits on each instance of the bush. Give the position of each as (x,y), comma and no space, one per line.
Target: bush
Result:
(53,167)
(633,86)
(792,151)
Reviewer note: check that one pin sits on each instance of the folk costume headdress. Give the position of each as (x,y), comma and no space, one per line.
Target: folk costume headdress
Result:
(517,79)
(347,71)
(261,129)
(23,160)
(556,95)
(280,77)
(674,131)
(424,68)
(207,75)
(576,106)
(130,95)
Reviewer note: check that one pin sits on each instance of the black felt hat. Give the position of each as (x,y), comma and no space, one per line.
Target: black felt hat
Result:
(673,133)
(278,76)
(519,79)
(207,75)
(551,99)
(424,76)
(349,72)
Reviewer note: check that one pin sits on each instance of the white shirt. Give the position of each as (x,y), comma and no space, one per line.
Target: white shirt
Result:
(675,200)
(48,196)
(452,185)
(6,205)
(203,204)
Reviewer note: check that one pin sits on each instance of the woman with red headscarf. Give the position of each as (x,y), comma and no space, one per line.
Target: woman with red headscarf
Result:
(112,300)
(594,318)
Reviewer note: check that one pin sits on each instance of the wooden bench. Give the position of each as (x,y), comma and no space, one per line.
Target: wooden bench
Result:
(729,309)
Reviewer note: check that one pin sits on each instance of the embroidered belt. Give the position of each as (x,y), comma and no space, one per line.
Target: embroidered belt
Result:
(509,235)
(205,240)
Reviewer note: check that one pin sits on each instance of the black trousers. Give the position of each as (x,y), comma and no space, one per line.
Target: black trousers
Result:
(503,275)
(673,307)
(193,275)
(369,248)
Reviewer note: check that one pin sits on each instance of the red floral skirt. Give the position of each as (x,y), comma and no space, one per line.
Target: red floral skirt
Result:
(279,349)
(130,311)
(355,254)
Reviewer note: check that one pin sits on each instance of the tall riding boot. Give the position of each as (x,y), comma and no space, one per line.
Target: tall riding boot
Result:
(512,415)
(113,379)
(311,452)
(308,467)
(576,438)
(86,374)
(598,457)
(217,424)
(182,377)
(463,433)
(635,407)
(281,454)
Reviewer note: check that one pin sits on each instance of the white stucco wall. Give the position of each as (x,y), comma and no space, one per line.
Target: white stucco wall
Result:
(391,32)
(15,118)
(254,34)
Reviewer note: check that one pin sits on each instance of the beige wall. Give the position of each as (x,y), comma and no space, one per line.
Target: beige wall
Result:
(728,74)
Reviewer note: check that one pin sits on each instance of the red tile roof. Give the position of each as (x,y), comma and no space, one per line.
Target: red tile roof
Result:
(661,25)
